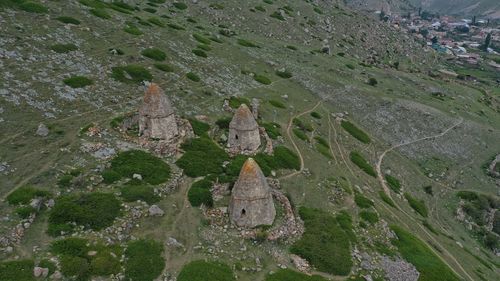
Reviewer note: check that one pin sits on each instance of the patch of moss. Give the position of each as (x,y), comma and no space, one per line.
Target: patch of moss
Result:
(78,81)
(154,54)
(144,260)
(206,271)
(131,74)
(63,48)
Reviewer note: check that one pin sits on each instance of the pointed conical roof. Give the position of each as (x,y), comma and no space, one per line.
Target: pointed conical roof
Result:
(243,119)
(251,183)
(156,104)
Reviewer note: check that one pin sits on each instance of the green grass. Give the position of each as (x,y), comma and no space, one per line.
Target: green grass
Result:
(152,169)
(417,205)
(272,129)
(368,216)
(277,104)
(25,211)
(154,54)
(180,5)
(200,128)
(144,260)
(324,243)
(355,132)
(199,53)
(360,161)
(200,193)
(24,194)
(164,67)
(67,19)
(136,74)
(33,7)
(206,271)
(100,13)
(63,48)
(132,29)
(78,81)
(235,102)
(247,43)
(262,79)
(316,115)
(362,201)
(92,211)
(156,21)
(284,74)
(386,199)
(300,134)
(430,266)
(393,183)
(132,192)
(201,39)
(202,157)
(18,270)
(193,77)
(71,246)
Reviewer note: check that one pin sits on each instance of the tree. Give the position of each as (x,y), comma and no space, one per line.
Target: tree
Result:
(434,40)
(487,42)
(424,32)
(474,20)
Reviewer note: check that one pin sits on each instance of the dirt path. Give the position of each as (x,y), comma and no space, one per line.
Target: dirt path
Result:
(289,135)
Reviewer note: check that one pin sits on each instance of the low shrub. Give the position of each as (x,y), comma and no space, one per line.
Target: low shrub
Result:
(235,102)
(152,169)
(180,5)
(260,8)
(277,103)
(131,193)
(386,199)
(284,74)
(136,74)
(199,53)
(143,260)
(164,67)
(193,77)
(272,129)
(76,267)
(368,216)
(25,211)
(223,123)
(66,19)
(202,157)
(154,54)
(71,246)
(372,82)
(262,79)
(290,275)
(360,161)
(175,26)
(150,10)
(24,194)
(417,205)
(92,211)
(200,128)
(362,201)
(100,13)
(132,29)
(350,66)
(300,134)
(206,271)
(277,15)
(412,249)
(293,48)
(246,43)
(156,21)
(78,81)
(63,48)
(355,132)
(204,47)
(316,115)
(18,270)
(33,7)
(201,39)
(200,194)
(304,126)
(324,244)
(393,183)
(428,189)
(286,159)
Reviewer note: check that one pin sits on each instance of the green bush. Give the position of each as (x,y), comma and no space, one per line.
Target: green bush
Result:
(33,7)
(154,54)
(246,43)
(430,266)
(277,103)
(175,26)
(386,199)
(262,79)
(417,205)
(63,48)
(260,8)
(368,216)
(200,128)
(19,270)
(206,271)
(152,169)
(428,190)
(94,210)
(303,125)
(164,67)
(78,81)
(293,48)
(358,159)
(372,82)
(137,74)
(235,102)
(204,47)
(180,5)
(131,193)
(355,132)
(284,74)
(25,211)
(350,66)
(199,53)
(200,193)
(71,246)
(223,123)
(316,115)
(156,21)
(272,129)
(362,201)
(149,10)
(66,19)
(193,77)
(324,243)
(45,263)
(143,260)
(100,13)
(201,39)
(290,275)
(76,267)
(286,159)
(321,141)
(202,157)
(105,265)
(24,194)
(277,15)
(132,29)
(300,134)
(393,183)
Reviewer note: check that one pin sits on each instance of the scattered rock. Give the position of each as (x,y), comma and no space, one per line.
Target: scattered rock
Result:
(42,130)
(154,210)
(137,177)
